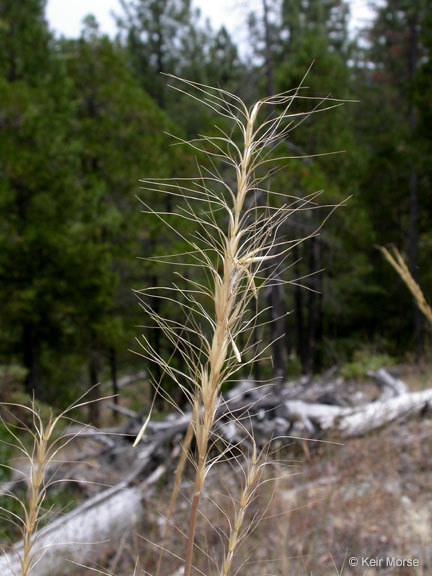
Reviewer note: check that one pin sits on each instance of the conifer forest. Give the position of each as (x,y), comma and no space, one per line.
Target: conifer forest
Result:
(216,288)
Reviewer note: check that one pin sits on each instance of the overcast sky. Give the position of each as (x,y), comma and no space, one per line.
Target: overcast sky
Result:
(65,16)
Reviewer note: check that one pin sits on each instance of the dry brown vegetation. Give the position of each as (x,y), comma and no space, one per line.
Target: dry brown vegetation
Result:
(367,497)
(318,504)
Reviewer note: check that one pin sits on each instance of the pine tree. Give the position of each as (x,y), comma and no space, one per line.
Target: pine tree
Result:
(398,50)
(292,36)
(39,196)
(157,33)
(119,129)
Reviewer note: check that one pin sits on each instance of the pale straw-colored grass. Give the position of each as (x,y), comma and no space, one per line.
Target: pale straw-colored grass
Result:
(251,481)
(395,258)
(239,233)
(36,454)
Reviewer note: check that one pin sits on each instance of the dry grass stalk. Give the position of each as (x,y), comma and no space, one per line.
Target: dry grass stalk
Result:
(252,477)
(39,457)
(233,250)
(395,258)
(46,443)
(174,494)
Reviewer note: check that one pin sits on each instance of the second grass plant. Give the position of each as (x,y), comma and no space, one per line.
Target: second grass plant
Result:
(238,235)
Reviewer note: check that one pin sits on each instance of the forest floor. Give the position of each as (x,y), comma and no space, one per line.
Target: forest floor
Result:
(367,498)
(322,504)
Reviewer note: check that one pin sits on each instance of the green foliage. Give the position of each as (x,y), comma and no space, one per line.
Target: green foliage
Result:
(70,229)
(363,361)
(24,40)
(5,453)
(154,32)
(167,37)
(39,194)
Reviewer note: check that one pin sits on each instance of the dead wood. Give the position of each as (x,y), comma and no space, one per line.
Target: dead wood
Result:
(127,380)
(389,385)
(83,533)
(121,410)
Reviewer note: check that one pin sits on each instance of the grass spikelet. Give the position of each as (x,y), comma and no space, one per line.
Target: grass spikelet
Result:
(39,455)
(395,258)
(237,234)
(251,481)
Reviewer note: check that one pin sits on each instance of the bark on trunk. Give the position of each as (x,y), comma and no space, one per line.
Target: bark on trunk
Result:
(311,308)
(94,409)
(31,353)
(298,311)
(275,295)
(275,302)
(156,343)
(413,238)
(268,55)
(114,380)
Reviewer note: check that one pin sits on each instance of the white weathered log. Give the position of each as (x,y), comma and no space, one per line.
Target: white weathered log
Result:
(75,537)
(376,414)
(312,415)
(389,385)
(100,436)
(80,535)
(83,534)
(128,379)
(121,410)
(355,421)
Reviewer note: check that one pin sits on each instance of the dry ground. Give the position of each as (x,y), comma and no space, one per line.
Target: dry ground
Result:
(369,498)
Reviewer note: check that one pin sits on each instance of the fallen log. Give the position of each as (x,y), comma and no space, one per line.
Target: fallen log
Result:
(128,379)
(101,520)
(390,386)
(83,534)
(354,421)
(121,410)
(376,414)
(274,412)
(75,536)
